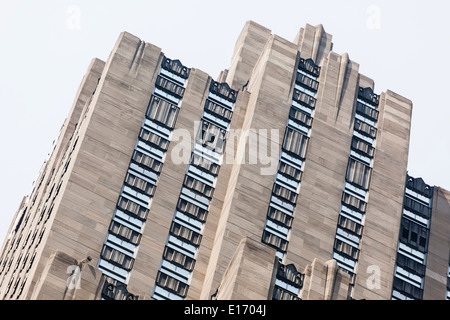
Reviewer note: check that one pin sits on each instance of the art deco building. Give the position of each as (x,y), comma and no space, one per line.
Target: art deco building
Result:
(284,178)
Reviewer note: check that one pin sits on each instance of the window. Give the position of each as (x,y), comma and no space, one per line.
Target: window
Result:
(363,147)
(49,212)
(365,129)
(282,294)
(346,249)
(198,186)
(350,225)
(140,184)
(218,110)
(187,234)
(407,288)
(178,258)
(414,235)
(295,142)
(211,136)
(170,87)
(307,81)
(40,236)
(284,193)
(192,210)
(410,264)
(153,139)
(124,232)
(290,171)
(31,261)
(278,216)
(162,112)
(204,164)
(133,208)
(146,161)
(118,258)
(417,207)
(304,99)
(171,284)
(274,241)
(358,173)
(301,117)
(353,202)
(367,111)
(289,274)
(419,186)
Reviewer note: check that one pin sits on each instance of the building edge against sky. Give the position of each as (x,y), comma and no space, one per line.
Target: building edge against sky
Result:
(328,223)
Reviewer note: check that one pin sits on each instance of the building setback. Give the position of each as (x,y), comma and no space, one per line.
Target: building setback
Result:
(284,178)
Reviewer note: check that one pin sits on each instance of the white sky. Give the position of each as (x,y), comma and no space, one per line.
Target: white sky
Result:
(46,47)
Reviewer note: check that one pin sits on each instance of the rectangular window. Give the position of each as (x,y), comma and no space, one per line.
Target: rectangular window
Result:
(407,288)
(178,258)
(417,207)
(410,264)
(284,193)
(192,210)
(162,111)
(365,129)
(300,117)
(290,171)
(346,249)
(282,294)
(211,136)
(274,241)
(350,225)
(414,235)
(354,202)
(280,217)
(367,111)
(153,139)
(133,208)
(117,258)
(125,233)
(198,186)
(218,110)
(170,87)
(204,164)
(147,162)
(358,174)
(307,81)
(363,147)
(304,99)
(140,184)
(171,284)
(187,234)
(295,142)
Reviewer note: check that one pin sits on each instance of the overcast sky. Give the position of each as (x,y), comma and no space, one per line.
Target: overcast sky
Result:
(46,47)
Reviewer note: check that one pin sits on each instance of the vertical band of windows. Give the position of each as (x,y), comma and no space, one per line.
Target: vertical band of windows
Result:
(355,195)
(185,234)
(286,187)
(124,234)
(410,265)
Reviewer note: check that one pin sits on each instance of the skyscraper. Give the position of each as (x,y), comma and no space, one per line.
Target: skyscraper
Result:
(283,178)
